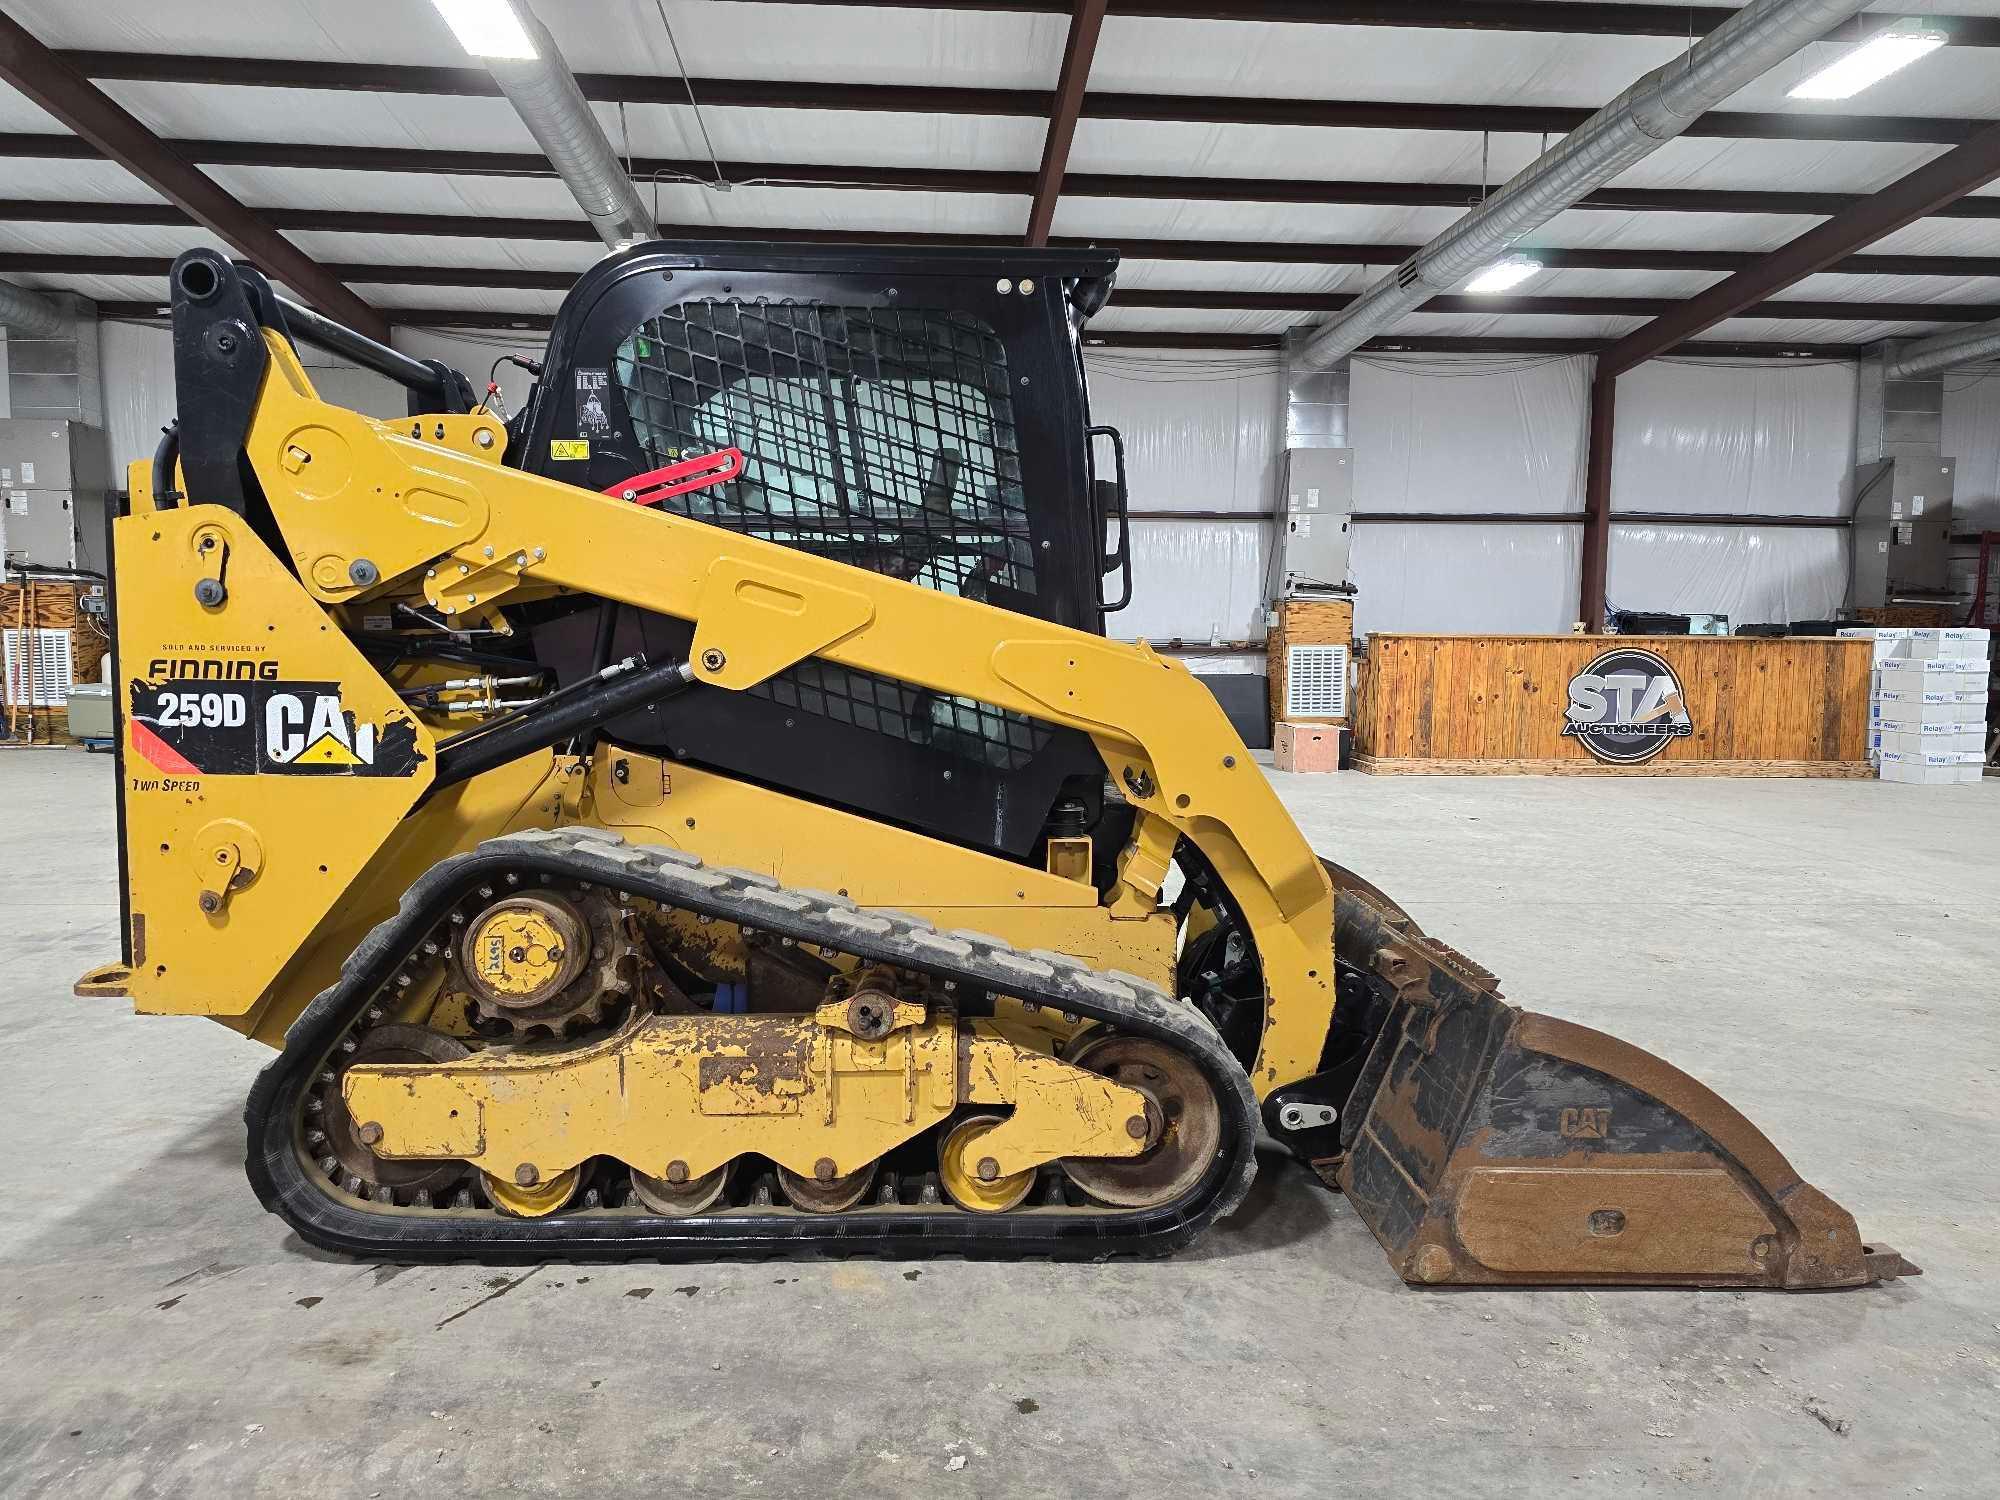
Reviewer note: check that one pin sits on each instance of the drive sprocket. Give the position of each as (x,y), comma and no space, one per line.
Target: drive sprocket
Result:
(550,960)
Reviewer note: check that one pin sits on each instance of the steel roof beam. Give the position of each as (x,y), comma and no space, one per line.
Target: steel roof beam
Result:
(1085,22)
(1249,252)
(1201,109)
(1557,17)
(107,129)
(1935,185)
(1151,186)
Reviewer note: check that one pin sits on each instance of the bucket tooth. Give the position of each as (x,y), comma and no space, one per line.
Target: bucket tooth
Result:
(1487,1145)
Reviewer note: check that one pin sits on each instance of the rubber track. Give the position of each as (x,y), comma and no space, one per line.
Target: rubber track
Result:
(978,963)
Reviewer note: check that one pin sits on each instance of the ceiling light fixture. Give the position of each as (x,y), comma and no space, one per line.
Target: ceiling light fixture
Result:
(488,29)
(1505,275)
(1884,53)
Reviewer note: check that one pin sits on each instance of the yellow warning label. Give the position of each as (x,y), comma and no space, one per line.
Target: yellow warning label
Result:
(326,751)
(569,447)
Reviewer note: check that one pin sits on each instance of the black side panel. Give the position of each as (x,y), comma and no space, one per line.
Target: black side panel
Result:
(1246,698)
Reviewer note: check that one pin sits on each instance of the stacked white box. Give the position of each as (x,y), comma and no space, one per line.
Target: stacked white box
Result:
(1927,712)
(1888,642)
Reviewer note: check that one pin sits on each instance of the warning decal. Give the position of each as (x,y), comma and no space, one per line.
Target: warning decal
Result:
(264,728)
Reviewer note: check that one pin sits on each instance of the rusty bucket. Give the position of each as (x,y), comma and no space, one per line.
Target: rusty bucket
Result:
(1487,1145)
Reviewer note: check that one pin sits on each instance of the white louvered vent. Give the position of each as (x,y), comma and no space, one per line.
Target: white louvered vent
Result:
(38,667)
(1315,682)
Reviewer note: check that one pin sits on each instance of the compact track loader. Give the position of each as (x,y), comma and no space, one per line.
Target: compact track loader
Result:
(703,815)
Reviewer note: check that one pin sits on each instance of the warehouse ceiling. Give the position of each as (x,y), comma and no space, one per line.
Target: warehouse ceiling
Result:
(1254,171)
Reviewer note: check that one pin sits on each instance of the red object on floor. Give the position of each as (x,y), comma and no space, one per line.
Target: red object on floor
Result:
(696,473)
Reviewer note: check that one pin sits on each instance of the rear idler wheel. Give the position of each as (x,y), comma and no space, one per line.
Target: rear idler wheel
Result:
(340,1143)
(971,1177)
(683,1199)
(824,1193)
(1184,1124)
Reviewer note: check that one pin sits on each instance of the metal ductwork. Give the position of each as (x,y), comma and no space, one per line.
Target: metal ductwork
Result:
(1638,122)
(1961,346)
(27,314)
(544,93)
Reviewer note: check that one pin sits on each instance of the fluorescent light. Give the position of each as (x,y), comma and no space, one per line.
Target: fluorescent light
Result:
(487,29)
(1875,59)
(1505,276)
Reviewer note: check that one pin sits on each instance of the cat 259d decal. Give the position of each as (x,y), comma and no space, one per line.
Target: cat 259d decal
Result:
(263,728)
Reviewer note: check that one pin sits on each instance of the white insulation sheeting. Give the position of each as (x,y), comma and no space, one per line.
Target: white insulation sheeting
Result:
(1471,579)
(1463,434)
(1753,574)
(1195,581)
(138,364)
(1468,433)
(1972,436)
(1743,438)
(1732,438)
(1203,431)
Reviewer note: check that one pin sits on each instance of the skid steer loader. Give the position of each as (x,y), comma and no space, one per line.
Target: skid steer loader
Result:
(703,815)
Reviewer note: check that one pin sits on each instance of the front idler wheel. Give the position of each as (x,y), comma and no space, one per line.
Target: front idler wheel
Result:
(1183,1124)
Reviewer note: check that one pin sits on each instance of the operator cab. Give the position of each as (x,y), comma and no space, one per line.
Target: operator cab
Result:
(918,413)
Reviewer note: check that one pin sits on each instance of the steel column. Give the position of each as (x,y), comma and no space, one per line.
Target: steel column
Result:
(1597,502)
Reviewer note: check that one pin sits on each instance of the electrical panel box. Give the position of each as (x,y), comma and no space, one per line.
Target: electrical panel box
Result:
(1902,530)
(1313,526)
(54,479)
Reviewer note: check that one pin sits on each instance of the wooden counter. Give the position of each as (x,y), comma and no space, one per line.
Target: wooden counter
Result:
(1497,704)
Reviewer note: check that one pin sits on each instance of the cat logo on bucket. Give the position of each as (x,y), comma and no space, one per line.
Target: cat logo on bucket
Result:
(1626,706)
(310,730)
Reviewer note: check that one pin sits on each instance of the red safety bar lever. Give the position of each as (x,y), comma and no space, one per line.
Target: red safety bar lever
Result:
(696,473)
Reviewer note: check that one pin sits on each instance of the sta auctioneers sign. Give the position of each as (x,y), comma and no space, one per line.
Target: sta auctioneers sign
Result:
(1626,707)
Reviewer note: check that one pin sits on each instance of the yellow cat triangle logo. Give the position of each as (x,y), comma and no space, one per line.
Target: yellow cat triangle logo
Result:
(326,751)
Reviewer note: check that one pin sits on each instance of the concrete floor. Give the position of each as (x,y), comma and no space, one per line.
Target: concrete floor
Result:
(1823,953)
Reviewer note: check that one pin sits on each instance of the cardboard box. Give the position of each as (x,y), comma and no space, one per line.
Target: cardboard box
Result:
(1931,739)
(1306,747)
(1901,672)
(1950,640)
(1918,769)
(1888,642)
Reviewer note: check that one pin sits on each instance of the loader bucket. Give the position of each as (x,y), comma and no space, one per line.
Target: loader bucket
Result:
(1487,1145)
